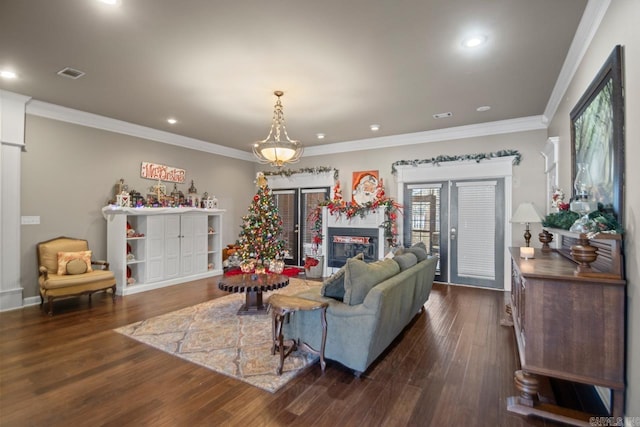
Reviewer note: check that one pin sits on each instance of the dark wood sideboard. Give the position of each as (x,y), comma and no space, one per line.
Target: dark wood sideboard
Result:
(568,325)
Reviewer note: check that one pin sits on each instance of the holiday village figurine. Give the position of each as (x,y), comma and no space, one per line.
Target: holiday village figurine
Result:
(192,188)
(337,192)
(123,199)
(160,190)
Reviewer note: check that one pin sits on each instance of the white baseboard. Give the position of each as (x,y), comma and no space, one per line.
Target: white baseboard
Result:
(31,301)
(16,304)
(10,299)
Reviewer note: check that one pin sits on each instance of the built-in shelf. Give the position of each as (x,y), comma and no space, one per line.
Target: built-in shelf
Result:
(177,245)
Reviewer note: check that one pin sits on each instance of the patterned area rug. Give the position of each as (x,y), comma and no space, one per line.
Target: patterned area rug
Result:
(212,335)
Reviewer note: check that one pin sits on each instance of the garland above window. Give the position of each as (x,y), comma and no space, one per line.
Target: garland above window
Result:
(440,159)
(316,170)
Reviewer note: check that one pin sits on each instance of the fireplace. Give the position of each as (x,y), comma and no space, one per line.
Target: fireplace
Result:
(345,237)
(344,243)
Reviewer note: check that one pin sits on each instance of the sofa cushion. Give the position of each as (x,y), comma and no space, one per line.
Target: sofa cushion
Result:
(405,260)
(419,250)
(333,286)
(94,276)
(76,266)
(360,278)
(65,257)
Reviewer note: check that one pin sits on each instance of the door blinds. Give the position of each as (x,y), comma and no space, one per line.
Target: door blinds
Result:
(476,229)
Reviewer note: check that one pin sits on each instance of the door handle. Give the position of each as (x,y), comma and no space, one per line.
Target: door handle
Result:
(452,234)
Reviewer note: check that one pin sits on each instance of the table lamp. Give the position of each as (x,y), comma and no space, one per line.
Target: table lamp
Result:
(526,214)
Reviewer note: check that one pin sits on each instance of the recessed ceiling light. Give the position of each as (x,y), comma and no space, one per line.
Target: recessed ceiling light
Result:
(483,108)
(474,41)
(374,128)
(110,2)
(443,115)
(172,121)
(6,74)
(320,135)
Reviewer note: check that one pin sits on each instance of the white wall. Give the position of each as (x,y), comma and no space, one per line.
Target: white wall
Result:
(620,26)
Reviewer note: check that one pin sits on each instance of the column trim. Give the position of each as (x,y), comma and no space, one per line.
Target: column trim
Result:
(12,125)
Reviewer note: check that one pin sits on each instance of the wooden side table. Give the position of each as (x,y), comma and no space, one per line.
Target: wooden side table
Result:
(281,306)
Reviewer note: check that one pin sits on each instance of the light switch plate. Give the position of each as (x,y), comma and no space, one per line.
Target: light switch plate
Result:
(30,220)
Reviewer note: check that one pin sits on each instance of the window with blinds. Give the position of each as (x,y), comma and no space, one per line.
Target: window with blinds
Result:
(286,203)
(294,206)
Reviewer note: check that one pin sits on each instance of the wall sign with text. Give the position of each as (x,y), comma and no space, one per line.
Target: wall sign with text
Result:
(162,172)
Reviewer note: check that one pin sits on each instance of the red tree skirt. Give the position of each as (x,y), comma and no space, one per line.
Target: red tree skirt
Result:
(288,271)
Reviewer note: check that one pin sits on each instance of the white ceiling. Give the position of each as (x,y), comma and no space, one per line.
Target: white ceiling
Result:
(343,64)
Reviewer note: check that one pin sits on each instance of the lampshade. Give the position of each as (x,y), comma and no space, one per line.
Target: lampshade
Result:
(283,152)
(271,149)
(526,213)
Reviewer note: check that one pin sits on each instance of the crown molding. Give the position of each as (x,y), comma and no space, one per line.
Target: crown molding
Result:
(460,132)
(82,118)
(589,24)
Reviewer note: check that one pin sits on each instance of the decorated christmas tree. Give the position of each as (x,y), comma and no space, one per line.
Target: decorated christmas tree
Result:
(260,238)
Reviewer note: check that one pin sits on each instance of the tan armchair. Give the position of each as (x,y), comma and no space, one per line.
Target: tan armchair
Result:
(66,269)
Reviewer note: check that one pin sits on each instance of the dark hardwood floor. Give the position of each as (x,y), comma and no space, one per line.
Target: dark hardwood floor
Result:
(452,366)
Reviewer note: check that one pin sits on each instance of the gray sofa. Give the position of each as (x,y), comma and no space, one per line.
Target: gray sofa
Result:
(379,300)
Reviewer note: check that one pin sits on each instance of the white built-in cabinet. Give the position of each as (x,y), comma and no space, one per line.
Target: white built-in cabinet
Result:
(149,248)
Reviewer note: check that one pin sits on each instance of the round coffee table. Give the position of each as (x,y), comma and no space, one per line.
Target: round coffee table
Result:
(253,285)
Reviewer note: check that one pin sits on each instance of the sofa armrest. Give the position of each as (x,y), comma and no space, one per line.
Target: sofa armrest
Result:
(101,262)
(44,272)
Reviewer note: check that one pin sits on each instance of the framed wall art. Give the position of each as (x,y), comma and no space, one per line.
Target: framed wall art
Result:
(364,186)
(597,135)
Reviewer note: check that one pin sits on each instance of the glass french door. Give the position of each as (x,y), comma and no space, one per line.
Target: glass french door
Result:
(460,223)
(294,206)
(424,220)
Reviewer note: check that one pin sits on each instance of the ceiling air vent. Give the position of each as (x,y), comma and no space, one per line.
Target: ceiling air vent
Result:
(70,73)
(442,115)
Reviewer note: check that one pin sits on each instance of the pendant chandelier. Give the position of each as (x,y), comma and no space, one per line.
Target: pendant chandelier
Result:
(271,149)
